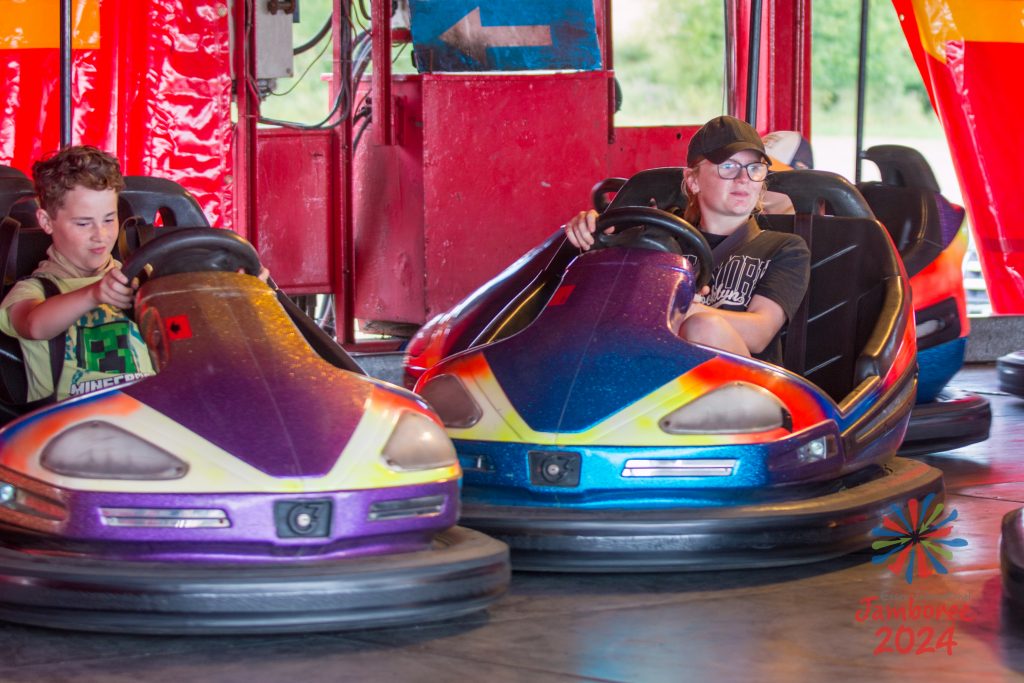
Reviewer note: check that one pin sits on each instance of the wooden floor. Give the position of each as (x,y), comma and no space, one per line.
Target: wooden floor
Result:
(796,624)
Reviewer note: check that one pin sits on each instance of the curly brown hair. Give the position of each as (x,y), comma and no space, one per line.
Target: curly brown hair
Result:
(71,167)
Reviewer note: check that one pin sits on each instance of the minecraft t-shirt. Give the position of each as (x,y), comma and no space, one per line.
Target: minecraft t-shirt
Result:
(103,348)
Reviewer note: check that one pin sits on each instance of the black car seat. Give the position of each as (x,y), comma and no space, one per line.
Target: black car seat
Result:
(922,224)
(855,284)
(660,187)
(907,201)
(23,245)
(146,203)
(10,172)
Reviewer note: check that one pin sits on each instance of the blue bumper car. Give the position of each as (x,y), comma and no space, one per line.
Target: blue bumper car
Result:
(593,438)
(928,231)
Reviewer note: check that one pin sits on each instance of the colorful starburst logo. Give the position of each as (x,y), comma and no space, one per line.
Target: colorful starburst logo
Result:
(913,537)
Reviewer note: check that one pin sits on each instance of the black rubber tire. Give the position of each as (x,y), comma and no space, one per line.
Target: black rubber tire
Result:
(953,420)
(710,538)
(1011,556)
(462,572)
(1010,371)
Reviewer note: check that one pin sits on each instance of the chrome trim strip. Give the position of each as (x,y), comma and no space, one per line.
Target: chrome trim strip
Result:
(423,506)
(638,467)
(165,518)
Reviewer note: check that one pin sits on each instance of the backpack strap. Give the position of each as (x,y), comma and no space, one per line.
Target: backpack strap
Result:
(9,229)
(58,345)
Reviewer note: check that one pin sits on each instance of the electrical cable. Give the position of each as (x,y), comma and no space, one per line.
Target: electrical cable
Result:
(362,16)
(363,49)
(401,49)
(360,51)
(359,133)
(304,72)
(309,44)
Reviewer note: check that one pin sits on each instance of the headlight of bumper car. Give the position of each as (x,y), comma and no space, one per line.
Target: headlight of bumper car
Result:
(418,444)
(735,408)
(454,405)
(99,450)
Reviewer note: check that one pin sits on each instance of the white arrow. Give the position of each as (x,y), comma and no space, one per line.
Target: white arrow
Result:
(469,35)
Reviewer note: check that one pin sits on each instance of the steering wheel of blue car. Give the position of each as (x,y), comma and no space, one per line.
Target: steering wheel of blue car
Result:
(658,222)
(192,250)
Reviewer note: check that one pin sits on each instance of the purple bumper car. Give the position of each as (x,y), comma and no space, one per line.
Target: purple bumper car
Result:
(251,486)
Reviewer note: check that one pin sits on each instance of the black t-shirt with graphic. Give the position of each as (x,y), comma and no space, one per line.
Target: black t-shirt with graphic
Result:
(775,265)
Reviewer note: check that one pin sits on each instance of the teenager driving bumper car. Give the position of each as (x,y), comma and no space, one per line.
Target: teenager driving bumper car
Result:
(594,437)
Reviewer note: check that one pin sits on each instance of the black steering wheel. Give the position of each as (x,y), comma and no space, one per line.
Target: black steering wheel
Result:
(193,250)
(688,237)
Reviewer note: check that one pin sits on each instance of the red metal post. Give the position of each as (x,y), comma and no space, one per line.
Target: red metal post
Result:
(784,98)
(247,103)
(787,105)
(609,66)
(342,264)
(381,78)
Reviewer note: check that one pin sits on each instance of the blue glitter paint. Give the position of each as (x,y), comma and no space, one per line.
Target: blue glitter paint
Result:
(603,349)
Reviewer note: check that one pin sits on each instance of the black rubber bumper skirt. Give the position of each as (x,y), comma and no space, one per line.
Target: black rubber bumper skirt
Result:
(1011,556)
(1010,370)
(760,535)
(954,419)
(462,572)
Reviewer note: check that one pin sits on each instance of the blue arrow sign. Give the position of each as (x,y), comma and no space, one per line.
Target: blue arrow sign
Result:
(504,35)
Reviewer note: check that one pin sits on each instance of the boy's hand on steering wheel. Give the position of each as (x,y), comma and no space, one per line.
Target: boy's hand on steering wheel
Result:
(113,289)
(264,273)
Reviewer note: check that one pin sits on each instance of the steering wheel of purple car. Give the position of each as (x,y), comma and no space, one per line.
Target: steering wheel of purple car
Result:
(688,237)
(192,250)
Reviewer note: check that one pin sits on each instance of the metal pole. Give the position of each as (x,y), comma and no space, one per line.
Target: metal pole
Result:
(343,260)
(248,108)
(729,7)
(862,80)
(65,73)
(380,82)
(753,61)
(609,65)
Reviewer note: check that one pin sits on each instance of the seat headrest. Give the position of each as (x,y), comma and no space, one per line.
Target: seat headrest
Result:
(902,166)
(662,185)
(147,198)
(809,189)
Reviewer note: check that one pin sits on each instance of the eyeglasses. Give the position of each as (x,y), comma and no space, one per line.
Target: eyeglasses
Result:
(730,170)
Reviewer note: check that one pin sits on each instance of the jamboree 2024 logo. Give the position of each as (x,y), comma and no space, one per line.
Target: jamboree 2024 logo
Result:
(914,541)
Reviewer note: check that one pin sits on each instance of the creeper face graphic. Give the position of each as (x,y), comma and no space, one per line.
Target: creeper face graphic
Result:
(106,348)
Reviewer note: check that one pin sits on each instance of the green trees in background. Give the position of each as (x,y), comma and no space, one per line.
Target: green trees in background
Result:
(670,64)
(896,96)
(669,59)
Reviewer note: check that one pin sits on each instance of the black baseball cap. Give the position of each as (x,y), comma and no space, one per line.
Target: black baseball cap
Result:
(720,138)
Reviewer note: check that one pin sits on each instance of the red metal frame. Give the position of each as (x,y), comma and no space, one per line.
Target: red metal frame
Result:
(164,110)
(784,98)
(343,287)
(383,131)
(248,107)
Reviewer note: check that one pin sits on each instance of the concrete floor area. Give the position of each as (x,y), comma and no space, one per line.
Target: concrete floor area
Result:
(795,624)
